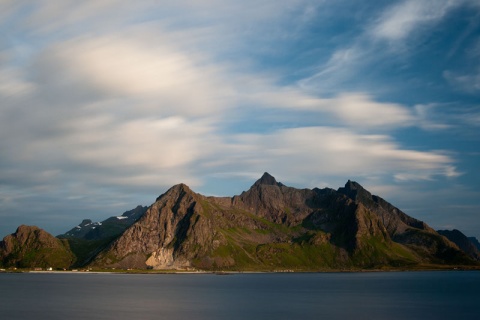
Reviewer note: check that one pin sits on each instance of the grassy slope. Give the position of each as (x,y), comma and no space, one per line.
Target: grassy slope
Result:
(30,256)
(294,248)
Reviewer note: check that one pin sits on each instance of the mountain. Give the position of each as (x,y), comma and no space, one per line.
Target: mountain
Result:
(110,227)
(463,242)
(31,247)
(88,238)
(475,242)
(406,230)
(269,227)
(273,226)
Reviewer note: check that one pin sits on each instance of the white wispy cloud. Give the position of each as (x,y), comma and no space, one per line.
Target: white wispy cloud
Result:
(327,151)
(407,17)
(157,75)
(362,111)
(390,35)
(358,110)
(466,77)
(12,83)
(149,110)
(467,82)
(429,119)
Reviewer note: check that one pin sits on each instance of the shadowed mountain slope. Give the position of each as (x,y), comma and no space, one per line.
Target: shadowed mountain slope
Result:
(463,242)
(88,238)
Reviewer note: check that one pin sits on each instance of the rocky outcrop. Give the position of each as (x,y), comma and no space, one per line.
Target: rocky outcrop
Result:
(267,180)
(31,247)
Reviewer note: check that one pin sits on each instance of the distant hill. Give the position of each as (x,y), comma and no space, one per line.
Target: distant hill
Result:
(268,227)
(110,227)
(31,247)
(89,238)
(463,242)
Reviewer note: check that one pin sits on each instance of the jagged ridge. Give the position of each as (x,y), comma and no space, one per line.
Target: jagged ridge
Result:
(268,227)
(272,225)
(89,238)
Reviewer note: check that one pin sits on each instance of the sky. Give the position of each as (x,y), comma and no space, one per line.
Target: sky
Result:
(104,105)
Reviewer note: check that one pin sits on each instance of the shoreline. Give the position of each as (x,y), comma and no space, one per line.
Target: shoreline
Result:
(232,272)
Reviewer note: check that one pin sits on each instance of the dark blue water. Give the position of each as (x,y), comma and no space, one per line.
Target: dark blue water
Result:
(385,295)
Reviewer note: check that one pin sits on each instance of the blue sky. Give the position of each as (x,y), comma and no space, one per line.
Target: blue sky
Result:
(106,104)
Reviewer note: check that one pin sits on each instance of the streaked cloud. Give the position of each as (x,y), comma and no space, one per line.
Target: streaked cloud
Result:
(352,109)
(107,102)
(360,110)
(327,152)
(156,75)
(12,83)
(404,18)
(469,82)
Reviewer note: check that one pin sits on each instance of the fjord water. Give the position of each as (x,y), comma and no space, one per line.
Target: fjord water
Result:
(376,295)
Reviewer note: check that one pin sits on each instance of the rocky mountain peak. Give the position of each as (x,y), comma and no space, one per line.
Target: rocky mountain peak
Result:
(355,191)
(267,179)
(176,191)
(85,222)
(26,229)
(353,185)
(24,233)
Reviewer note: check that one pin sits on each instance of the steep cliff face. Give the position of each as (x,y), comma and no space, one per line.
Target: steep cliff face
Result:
(31,247)
(164,237)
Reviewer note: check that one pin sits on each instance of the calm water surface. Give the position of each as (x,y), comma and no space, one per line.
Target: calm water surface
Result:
(383,295)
